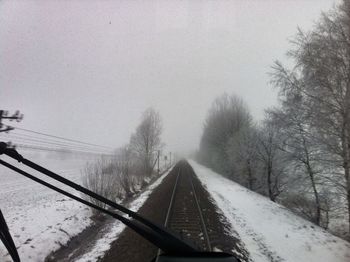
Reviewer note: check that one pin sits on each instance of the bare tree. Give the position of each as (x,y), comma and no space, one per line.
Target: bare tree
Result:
(146,141)
(99,178)
(124,170)
(243,156)
(299,143)
(321,75)
(225,118)
(274,161)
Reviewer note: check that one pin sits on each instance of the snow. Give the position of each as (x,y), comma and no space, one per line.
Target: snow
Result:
(103,244)
(269,231)
(41,220)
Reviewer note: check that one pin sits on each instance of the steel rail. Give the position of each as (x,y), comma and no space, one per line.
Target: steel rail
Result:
(204,228)
(170,207)
(172,199)
(201,217)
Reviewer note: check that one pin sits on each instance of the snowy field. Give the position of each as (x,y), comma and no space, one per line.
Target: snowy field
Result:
(269,231)
(40,220)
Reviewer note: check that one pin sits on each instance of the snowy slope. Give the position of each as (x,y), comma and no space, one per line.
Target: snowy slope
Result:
(270,232)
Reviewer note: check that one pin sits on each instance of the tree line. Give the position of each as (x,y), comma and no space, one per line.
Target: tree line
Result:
(299,155)
(132,166)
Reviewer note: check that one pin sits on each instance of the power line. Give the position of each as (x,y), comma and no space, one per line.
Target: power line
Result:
(53,142)
(48,149)
(63,138)
(43,139)
(48,140)
(59,147)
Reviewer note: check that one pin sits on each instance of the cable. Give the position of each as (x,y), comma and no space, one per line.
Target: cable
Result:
(59,137)
(48,140)
(61,145)
(35,147)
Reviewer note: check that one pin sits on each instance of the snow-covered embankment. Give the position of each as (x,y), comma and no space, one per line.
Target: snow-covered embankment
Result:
(269,231)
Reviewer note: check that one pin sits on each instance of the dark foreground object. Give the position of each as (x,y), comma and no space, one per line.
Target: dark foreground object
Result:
(7,240)
(200,257)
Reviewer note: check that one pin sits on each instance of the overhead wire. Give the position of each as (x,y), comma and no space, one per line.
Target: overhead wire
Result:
(46,142)
(16,138)
(38,146)
(53,140)
(44,147)
(59,137)
(48,149)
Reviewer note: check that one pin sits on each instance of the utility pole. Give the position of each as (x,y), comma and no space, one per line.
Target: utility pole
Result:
(158,162)
(5,115)
(165,160)
(170,159)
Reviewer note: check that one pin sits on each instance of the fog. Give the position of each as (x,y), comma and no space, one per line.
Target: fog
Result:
(88,69)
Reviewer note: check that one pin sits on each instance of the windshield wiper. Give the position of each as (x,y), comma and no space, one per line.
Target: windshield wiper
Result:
(6,238)
(156,234)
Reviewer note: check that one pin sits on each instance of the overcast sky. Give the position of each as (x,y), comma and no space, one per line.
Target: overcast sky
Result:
(88,69)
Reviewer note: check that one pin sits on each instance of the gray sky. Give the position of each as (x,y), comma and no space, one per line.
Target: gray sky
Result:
(88,69)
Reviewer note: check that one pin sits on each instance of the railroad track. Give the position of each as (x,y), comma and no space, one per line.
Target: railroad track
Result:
(185,207)
(184,214)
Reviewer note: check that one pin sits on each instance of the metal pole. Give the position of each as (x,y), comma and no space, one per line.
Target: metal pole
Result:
(158,161)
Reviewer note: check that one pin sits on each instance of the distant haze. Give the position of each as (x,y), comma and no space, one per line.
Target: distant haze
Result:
(88,69)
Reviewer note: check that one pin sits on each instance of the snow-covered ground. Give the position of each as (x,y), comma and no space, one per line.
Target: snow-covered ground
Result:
(41,220)
(104,243)
(269,231)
